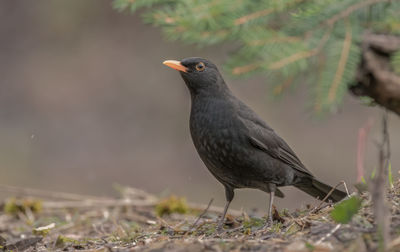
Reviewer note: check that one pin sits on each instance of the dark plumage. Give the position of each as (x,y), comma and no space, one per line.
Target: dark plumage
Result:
(237,146)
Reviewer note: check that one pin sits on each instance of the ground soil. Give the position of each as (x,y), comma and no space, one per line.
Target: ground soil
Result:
(35,220)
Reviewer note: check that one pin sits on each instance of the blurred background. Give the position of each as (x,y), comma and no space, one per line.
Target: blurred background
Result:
(85,103)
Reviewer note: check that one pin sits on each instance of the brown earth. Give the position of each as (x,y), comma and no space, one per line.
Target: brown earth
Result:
(130,223)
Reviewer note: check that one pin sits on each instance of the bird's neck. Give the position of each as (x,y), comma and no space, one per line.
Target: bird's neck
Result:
(213,92)
(211,101)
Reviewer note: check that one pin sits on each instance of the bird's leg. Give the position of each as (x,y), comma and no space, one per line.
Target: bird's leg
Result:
(222,219)
(229,197)
(272,188)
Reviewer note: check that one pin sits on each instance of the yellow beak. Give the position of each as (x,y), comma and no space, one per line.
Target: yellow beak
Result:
(177,65)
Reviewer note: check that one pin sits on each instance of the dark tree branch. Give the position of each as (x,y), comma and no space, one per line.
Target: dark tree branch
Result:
(375,77)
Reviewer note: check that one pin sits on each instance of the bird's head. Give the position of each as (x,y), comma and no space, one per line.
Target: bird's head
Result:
(199,74)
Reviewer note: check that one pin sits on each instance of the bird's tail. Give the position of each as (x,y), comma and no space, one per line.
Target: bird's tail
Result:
(318,189)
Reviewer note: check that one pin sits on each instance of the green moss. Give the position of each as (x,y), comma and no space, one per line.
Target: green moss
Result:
(309,246)
(285,212)
(210,229)
(62,241)
(13,206)
(172,204)
(247,231)
(294,228)
(164,232)
(43,232)
(276,227)
(130,237)
(253,223)
(124,238)
(126,232)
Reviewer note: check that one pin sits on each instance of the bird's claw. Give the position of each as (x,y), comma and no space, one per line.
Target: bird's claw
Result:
(268,223)
(220,229)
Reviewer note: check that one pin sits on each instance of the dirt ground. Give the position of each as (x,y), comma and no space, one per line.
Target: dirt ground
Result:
(35,220)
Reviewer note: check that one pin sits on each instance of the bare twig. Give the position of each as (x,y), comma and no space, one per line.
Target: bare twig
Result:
(361,145)
(135,193)
(329,234)
(201,215)
(316,209)
(50,205)
(214,209)
(96,203)
(23,191)
(378,187)
(70,200)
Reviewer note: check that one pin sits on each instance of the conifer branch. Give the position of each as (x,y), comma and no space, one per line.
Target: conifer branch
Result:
(286,84)
(252,16)
(324,39)
(341,64)
(288,39)
(301,55)
(261,13)
(285,44)
(169,20)
(247,68)
(346,12)
(292,58)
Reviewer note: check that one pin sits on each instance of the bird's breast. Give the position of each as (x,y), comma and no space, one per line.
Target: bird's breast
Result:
(221,144)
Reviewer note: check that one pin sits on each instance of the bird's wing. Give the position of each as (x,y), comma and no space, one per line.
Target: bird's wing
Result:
(264,138)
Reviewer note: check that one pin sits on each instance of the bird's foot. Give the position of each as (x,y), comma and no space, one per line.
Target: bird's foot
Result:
(220,229)
(268,223)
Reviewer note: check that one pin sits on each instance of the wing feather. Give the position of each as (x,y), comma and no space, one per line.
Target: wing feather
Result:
(263,137)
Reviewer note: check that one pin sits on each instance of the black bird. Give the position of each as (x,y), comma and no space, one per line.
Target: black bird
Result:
(236,145)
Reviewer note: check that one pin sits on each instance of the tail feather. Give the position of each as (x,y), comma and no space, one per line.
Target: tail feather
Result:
(318,189)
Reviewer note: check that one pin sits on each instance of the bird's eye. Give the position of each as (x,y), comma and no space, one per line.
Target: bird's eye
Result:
(200,66)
